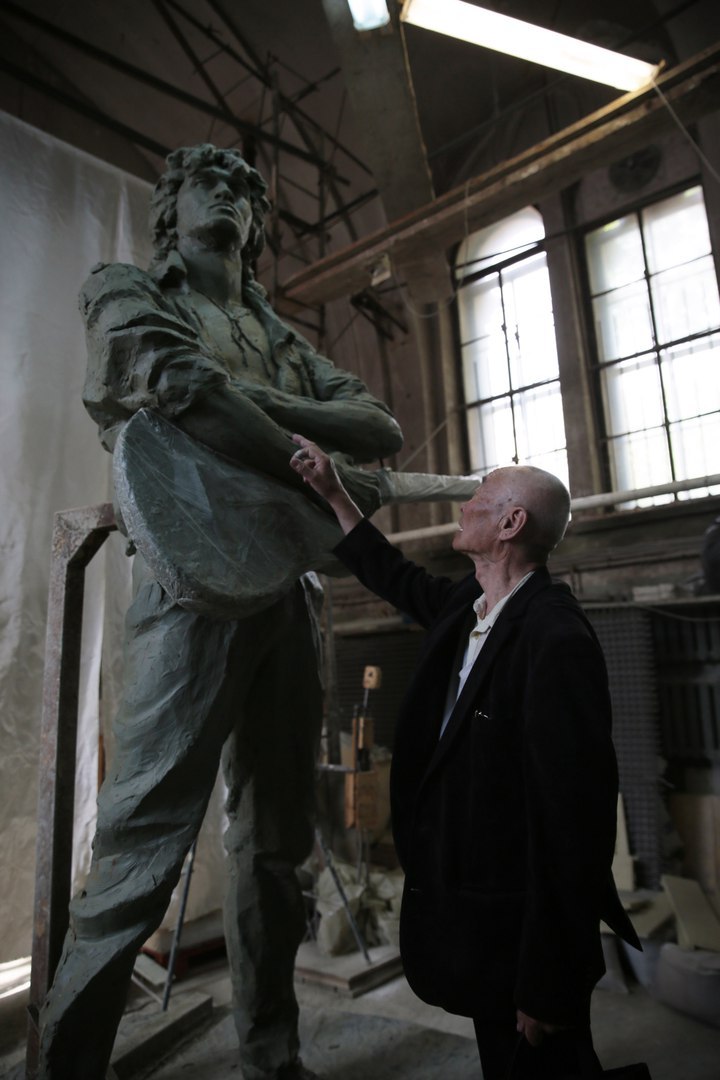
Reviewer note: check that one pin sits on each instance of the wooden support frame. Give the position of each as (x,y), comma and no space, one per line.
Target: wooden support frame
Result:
(692,89)
(77,537)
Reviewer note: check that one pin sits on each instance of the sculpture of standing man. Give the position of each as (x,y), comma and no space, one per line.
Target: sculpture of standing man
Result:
(194,341)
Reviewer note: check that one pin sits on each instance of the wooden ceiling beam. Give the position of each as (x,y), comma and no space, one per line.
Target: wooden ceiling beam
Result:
(692,89)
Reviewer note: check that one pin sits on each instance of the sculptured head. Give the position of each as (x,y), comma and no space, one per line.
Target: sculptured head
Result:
(183,164)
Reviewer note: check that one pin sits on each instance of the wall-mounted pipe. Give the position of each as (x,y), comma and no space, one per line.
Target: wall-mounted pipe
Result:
(583,502)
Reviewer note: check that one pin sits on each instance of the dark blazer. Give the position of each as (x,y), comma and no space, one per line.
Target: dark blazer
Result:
(505,827)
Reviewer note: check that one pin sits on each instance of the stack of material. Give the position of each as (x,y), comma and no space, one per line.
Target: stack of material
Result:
(687,975)
(374,902)
(678,926)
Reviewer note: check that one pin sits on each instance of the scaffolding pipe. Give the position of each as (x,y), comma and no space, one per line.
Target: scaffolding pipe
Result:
(583,502)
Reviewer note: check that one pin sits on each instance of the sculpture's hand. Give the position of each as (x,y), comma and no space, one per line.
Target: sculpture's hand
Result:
(318,470)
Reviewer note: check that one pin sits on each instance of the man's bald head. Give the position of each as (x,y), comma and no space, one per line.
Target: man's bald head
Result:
(546,501)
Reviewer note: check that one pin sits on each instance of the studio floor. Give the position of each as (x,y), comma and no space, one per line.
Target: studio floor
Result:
(387,1033)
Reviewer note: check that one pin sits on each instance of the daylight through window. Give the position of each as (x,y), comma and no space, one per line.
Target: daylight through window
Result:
(509,357)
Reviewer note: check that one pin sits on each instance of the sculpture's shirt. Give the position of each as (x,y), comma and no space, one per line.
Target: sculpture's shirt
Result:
(154,342)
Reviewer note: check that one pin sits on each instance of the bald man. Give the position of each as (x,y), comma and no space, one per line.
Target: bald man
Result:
(504,779)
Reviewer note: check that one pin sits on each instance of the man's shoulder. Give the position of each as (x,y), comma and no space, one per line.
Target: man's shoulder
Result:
(554,614)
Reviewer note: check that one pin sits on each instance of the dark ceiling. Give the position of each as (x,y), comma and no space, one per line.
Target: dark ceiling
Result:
(130,79)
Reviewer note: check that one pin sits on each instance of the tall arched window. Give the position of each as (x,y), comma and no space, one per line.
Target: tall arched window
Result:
(509,356)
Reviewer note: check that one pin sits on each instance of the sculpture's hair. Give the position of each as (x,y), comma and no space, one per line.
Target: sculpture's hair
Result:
(183,163)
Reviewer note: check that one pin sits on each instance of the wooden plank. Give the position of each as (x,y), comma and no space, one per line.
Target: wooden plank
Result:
(697,820)
(349,974)
(623,866)
(77,535)
(631,122)
(652,916)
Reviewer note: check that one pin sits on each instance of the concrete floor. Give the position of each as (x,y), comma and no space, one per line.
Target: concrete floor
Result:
(387,1033)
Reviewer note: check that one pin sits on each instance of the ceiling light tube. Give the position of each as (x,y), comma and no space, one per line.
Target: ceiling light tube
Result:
(369,14)
(528,42)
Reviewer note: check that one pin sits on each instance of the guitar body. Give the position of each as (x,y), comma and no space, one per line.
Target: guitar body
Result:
(220,538)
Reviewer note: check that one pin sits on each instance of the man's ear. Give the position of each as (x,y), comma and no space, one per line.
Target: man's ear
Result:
(513,523)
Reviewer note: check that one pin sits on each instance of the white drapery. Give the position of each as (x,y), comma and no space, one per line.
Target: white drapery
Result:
(63,211)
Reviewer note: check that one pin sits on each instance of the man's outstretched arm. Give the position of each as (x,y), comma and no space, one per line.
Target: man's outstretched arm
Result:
(318,470)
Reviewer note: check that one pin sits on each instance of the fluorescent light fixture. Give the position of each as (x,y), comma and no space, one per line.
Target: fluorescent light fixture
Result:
(528,42)
(369,14)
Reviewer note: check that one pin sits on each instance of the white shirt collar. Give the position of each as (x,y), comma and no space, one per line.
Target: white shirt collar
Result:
(486,622)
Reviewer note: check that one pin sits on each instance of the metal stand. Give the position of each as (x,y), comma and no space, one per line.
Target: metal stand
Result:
(179,926)
(327,854)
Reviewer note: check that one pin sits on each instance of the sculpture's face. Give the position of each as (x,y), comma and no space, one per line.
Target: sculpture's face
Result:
(213,206)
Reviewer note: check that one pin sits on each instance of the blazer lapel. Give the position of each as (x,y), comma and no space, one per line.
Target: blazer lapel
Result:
(504,629)
(416,742)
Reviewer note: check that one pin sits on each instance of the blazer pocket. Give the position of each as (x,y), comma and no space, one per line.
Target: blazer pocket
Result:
(481,895)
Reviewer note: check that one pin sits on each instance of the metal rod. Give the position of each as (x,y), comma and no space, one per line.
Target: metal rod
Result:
(133,72)
(194,59)
(610,498)
(261,73)
(178,928)
(82,107)
(343,895)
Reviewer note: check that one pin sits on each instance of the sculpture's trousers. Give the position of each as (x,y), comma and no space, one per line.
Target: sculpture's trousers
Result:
(193,686)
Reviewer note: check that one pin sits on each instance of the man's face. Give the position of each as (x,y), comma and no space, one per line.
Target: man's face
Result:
(480,518)
(213,206)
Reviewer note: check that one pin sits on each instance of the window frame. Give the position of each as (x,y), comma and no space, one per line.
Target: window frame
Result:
(596,366)
(462,280)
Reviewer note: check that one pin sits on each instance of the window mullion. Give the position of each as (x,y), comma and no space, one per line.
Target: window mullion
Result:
(511,395)
(656,346)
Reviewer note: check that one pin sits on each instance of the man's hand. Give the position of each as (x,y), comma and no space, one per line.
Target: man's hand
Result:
(535,1030)
(318,470)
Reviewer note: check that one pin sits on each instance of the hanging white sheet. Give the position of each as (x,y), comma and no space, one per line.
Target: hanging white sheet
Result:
(62,212)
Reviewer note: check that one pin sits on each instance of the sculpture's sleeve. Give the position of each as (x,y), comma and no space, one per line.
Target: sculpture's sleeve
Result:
(329,405)
(140,353)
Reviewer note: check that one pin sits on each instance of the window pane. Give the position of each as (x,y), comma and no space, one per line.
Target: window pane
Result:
(640,460)
(508,344)
(686,300)
(555,463)
(632,395)
(696,447)
(676,230)
(485,369)
(480,309)
(615,255)
(539,421)
(499,241)
(691,377)
(622,322)
(494,443)
(484,354)
(530,324)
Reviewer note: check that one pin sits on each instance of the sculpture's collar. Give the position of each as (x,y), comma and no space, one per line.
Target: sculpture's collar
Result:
(171,271)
